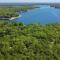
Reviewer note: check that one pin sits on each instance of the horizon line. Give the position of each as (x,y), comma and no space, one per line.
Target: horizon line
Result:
(29,2)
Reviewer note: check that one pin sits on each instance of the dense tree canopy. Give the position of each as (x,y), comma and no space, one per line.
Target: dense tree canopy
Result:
(13,11)
(29,42)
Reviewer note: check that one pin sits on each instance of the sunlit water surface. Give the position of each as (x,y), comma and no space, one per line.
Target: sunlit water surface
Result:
(43,15)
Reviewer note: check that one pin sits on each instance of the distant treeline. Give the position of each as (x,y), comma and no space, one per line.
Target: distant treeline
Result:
(13,11)
(55,5)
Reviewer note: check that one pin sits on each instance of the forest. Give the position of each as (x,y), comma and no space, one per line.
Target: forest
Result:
(55,5)
(29,42)
(13,11)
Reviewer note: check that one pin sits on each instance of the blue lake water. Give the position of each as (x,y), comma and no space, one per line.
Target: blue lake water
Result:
(43,15)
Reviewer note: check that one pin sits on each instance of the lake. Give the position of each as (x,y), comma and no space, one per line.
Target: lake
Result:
(43,15)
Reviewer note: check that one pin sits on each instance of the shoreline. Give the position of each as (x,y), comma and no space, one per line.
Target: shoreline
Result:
(12,18)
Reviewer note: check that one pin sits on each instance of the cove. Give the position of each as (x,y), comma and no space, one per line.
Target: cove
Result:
(43,15)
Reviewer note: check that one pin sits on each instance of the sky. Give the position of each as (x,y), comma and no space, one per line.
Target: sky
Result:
(21,1)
